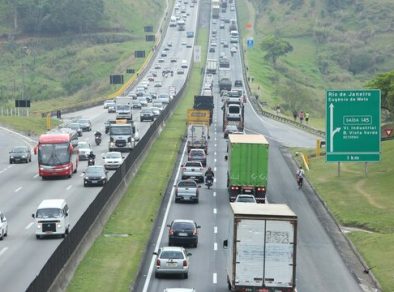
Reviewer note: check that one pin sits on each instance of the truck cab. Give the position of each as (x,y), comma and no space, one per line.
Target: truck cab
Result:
(122,136)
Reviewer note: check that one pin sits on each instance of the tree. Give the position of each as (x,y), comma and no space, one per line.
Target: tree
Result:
(385,82)
(275,48)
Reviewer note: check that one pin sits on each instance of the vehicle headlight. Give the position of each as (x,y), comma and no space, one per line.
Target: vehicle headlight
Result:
(59,225)
(12,156)
(112,144)
(23,156)
(103,177)
(39,225)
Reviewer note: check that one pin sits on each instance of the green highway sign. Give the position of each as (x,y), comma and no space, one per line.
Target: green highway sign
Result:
(353,125)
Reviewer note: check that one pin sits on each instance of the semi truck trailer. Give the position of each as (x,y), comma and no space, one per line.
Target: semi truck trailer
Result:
(247,166)
(261,248)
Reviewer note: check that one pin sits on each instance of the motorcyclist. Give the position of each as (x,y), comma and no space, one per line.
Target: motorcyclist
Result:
(91,156)
(209,174)
(97,134)
(300,176)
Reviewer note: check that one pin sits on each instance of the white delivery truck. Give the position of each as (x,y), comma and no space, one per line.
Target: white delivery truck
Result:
(124,107)
(212,66)
(261,248)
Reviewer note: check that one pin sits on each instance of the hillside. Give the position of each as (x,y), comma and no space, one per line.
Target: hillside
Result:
(73,65)
(336,45)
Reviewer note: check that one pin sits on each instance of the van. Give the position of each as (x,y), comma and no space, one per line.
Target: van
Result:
(164,98)
(173,21)
(52,218)
(184,64)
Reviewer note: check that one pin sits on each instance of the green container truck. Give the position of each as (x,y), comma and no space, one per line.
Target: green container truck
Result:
(247,166)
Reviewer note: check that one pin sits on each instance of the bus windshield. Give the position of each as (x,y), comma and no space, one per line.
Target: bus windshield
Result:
(120,130)
(53,154)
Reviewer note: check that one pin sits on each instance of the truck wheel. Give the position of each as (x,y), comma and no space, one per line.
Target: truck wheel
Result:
(38,236)
(2,235)
(186,276)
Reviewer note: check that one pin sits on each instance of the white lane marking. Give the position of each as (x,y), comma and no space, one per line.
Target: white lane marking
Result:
(215,278)
(20,135)
(35,176)
(29,225)
(214,194)
(215,229)
(69,187)
(18,189)
(214,169)
(215,161)
(215,138)
(163,226)
(214,153)
(215,246)
(1,171)
(3,250)
(82,174)
(215,211)
(215,145)
(8,167)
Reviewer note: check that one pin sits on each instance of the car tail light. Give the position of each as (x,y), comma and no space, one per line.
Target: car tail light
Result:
(158,262)
(185,263)
(235,188)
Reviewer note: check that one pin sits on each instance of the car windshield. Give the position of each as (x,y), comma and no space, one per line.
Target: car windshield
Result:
(147,110)
(94,170)
(197,153)
(74,126)
(83,121)
(189,184)
(171,254)
(83,145)
(120,131)
(113,155)
(233,109)
(49,213)
(19,150)
(53,154)
(183,226)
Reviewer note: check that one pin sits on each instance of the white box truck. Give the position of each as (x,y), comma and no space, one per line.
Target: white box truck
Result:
(261,248)
(124,107)
(212,66)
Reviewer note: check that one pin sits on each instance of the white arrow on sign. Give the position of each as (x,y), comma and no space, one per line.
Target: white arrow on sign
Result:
(332,131)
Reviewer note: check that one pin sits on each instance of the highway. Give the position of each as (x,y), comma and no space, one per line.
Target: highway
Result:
(21,255)
(319,264)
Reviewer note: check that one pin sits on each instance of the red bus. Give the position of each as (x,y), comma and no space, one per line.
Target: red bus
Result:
(56,155)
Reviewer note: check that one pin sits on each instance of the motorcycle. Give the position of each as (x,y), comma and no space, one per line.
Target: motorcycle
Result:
(209,181)
(97,139)
(90,161)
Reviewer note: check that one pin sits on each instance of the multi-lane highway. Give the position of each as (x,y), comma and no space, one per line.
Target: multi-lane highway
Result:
(319,264)
(21,255)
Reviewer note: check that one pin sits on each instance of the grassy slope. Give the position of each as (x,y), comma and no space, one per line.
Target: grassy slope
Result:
(345,38)
(363,202)
(112,263)
(53,65)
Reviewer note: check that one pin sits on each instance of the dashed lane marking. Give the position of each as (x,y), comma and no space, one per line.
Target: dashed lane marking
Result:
(35,176)
(214,194)
(3,250)
(215,229)
(29,225)
(215,278)
(18,189)
(215,246)
(215,211)
(69,187)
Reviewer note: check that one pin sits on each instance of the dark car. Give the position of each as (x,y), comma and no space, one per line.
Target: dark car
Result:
(75,126)
(147,114)
(95,175)
(85,124)
(20,154)
(238,83)
(212,50)
(183,233)
(198,155)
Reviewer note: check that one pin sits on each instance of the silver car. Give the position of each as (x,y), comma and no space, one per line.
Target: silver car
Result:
(186,190)
(193,170)
(245,198)
(172,260)
(84,150)
(112,159)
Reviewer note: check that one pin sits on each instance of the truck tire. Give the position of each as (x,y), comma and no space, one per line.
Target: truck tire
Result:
(2,235)
(185,276)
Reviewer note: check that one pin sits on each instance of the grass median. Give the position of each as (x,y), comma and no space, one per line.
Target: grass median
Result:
(364,204)
(113,261)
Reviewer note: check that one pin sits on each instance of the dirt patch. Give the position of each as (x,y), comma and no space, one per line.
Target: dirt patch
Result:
(371,200)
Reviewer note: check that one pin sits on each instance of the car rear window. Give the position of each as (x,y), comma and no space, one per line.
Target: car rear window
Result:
(187,184)
(193,164)
(183,226)
(171,255)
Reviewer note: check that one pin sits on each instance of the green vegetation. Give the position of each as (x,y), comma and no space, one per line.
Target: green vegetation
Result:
(33,126)
(59,71)
(363,202)
(336,44)
(112,263)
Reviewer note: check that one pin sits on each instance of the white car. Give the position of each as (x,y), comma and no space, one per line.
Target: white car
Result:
(112,159)
(84,149)
(108,102)
(3,226)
